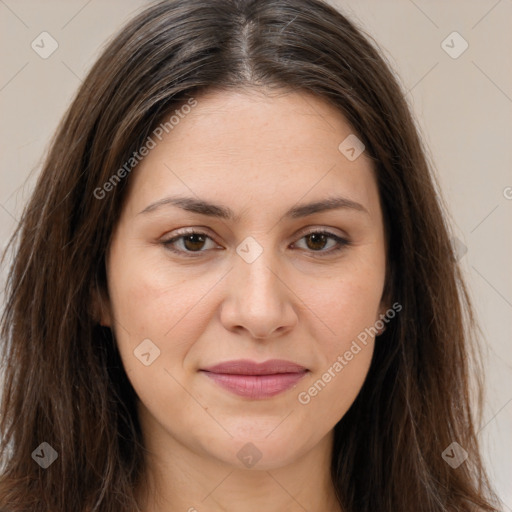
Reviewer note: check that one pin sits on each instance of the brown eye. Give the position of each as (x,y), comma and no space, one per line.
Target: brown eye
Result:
(192,242)
(316,241)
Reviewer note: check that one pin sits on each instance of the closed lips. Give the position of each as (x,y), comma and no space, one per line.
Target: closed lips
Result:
(255,380)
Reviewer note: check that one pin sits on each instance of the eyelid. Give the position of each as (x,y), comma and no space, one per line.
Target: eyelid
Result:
(321,229)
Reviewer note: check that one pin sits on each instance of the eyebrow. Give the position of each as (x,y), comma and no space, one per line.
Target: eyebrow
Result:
(203,207)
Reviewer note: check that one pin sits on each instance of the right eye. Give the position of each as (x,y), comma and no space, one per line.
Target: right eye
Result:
(192,242)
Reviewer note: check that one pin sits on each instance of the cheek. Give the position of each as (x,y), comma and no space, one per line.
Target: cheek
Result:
(328,394)
(149,298)
(151,303)
(347,305)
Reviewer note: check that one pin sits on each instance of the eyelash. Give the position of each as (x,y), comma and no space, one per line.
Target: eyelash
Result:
(341,242)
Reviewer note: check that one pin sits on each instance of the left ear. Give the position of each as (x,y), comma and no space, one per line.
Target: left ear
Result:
(385,301)
(384,307)
(99,306)
(380,322)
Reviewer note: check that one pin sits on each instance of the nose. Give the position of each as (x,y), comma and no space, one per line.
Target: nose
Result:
(259,300)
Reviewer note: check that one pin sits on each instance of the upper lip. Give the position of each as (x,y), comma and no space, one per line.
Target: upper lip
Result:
(248,367)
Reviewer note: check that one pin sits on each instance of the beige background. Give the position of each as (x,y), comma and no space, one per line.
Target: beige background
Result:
(463,106)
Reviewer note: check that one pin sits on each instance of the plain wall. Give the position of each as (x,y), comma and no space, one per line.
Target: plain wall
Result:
(463,106)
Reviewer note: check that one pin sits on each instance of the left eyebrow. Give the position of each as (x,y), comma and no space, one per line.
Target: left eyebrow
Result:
(203,207)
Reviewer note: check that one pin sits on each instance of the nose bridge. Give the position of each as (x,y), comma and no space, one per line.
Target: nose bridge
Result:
(257,267)
(258,302)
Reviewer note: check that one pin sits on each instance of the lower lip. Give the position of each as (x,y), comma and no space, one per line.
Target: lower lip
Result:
(256,386)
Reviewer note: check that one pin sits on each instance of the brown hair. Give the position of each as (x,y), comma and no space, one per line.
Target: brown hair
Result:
(64,383)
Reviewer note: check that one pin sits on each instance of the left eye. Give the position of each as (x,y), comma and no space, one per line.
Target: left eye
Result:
(194,241)
(317,238)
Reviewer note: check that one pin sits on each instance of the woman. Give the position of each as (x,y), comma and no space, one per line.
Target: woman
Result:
(233,286)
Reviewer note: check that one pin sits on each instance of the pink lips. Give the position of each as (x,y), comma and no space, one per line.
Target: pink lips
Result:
(256,380)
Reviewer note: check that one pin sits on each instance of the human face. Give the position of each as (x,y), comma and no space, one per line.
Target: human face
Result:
(253,287)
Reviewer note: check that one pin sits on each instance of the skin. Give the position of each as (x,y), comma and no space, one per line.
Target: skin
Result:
(258,155)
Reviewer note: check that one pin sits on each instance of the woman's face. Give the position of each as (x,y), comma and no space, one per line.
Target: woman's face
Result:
(257,280)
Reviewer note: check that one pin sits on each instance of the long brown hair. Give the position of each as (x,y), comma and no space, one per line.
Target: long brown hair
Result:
(64,383)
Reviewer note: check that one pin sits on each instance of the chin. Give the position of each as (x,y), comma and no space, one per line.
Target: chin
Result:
(256,448)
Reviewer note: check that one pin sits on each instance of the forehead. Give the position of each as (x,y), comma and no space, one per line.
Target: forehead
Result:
(283,121)
(233,145)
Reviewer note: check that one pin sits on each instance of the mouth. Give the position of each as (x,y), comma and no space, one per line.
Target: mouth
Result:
(254,380)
